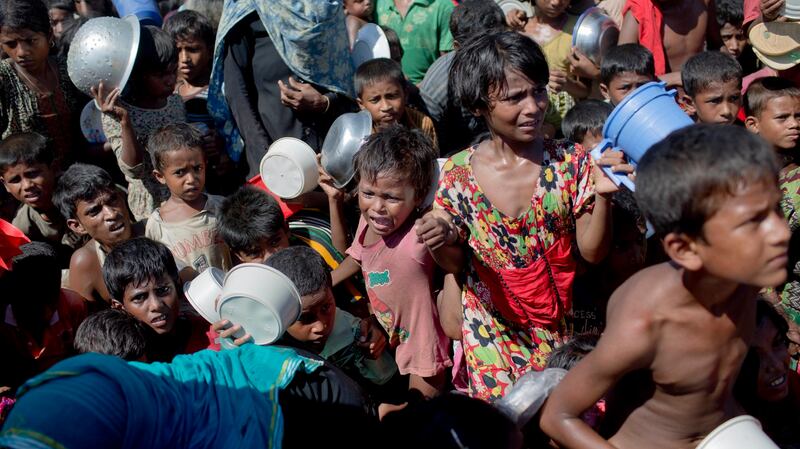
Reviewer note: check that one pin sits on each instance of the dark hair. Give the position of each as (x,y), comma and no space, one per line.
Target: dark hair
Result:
(191,25)
(112,332)
(682,180)
(762,90)
(136,261)
(156,54)
(71,28)
(30,15)
(304,267)
(401,152)
(708,67)
(24,148)
(627,58)
(247,218)
(395,47)
(81,182)
(377,70)
(570,353)
(730,11)
(64,5)
(173,137)
(475,17)
(479,67)
(587,115)
(35,276)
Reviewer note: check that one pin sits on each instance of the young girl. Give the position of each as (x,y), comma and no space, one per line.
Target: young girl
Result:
(147,104)
(521,202)
(394,169)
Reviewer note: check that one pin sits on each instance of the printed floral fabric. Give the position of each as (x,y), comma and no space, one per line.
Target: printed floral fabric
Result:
(498,351)
(790,204)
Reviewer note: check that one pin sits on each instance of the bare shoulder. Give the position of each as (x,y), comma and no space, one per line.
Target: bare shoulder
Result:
(84,258)
(647,292)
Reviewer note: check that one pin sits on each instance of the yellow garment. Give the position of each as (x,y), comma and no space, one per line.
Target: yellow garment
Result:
(557,53)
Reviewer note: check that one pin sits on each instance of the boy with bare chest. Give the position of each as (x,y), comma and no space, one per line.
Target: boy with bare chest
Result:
(680,330)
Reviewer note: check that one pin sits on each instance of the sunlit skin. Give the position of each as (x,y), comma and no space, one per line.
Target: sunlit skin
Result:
(385,100)
(718,102)
(154,302)
(28,49)
(778,123)
(194,61)
(30,184)
(621,85)
(183,171)
(385,204)
(104,218)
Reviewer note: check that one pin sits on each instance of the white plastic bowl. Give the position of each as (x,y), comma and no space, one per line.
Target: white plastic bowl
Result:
(738,433)
(289,169)
(203,292)
(261,299)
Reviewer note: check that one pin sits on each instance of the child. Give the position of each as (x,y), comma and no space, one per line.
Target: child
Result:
(772,107)
(92,206)
(584,123)
(185,222)
(142,279)
(61,12)
(26,173)
(381,89)
(719,222)
(713,84)
(41,318)
(357,14)
(624,68)
(730,18)
(113,332)
(672,31)
(394,169)
(148,104)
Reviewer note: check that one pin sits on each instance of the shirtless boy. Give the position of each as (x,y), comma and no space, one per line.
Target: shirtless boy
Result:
(684,28)
(684,326)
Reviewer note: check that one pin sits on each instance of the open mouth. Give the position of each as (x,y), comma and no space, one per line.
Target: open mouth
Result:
(778,381)
(381,223)
(116,227)
(159,321)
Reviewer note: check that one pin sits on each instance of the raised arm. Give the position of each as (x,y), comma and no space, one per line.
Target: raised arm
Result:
(629,32)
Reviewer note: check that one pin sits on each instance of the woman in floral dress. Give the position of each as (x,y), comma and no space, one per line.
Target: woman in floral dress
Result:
(521,203)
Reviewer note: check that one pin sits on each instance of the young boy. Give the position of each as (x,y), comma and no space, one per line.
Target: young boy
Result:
(113,332)
(186,222)
(712,82)
(93,206)
(26,173)
(381,89)
(772,107)
(672,31)
(584,123)
(733,34)
(719,222)
(624,68)
(142,279)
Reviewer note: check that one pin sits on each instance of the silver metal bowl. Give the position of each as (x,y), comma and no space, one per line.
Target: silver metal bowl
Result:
(104,49)
(594,34)
(342,143)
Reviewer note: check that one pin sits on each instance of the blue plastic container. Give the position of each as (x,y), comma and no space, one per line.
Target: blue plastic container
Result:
(145,10)
(643,118)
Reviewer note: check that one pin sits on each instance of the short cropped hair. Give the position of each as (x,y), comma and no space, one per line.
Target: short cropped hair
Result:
(627,58)
(401,152)
(708,67)
(730,11)
(24,148)
(304,267)
(112,332)
(586,116)
(479,67)
(190,24)
(25,15)
(81,182)
(682,180)
(173,137)
(569,354)
(377,70)
(247,218)
(475,17)
(136,261)
(762,90)
(35,275)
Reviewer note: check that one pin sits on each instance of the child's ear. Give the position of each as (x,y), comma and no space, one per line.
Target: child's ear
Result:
(159,176)
(751,123)
(683,250)
(360,103)
(76,226)
(604,91)
(688,104)
(116,304)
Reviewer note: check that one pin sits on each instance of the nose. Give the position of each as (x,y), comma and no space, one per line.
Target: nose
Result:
(729,109)
(385,106)
(318,327)
(779,231)
(110,213)
(376,204)
(26,184)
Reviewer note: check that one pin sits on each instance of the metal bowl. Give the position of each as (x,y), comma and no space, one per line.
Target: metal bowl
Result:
(594,34)
(342,143)
(104,49)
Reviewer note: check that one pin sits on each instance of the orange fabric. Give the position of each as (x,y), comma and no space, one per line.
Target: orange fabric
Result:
(651,20)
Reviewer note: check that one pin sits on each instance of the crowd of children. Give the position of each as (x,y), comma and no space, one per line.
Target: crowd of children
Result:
(478,240)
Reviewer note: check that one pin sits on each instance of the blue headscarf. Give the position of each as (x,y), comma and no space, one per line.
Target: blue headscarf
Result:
(204,400)
(310,36)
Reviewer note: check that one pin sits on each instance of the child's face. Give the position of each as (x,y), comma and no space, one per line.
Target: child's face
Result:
(104,218)
(386,203)
(160,84)
(551,8)
(316,321)
(27,48)
(591,139)
(719,102)
(30,184)
(154,303)
(734,39)
(58,17)
(778,123)
(748,226)
(517,114)
(622,84)
(267,248)
(773,368)
(359,8)
(184,173)
(385,100)
(194,59)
